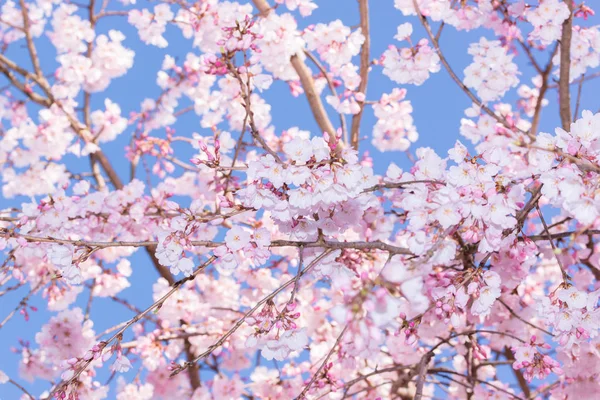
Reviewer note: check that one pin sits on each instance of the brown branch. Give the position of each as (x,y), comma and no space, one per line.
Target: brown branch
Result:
(245,93)
(542,93)
(447,371)
(579,92)
(21,388)
(364,68)
(518,374)
(578,80)
(24,89)
(361,245)
(331,88)
(308,84)
(564,94)
(30,46)
(194,370)
(421,374)
(517,316)
(527,50)
(561,235)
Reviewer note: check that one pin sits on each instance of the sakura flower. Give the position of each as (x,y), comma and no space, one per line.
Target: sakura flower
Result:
(483,303)
(411,65)
(121,364)
(404,31)
(384,309)
(298,150)
(547,19)
(3,377)
(289,341)
(237,238)
(61,256)
(574,298)
(492,72)
(184,265)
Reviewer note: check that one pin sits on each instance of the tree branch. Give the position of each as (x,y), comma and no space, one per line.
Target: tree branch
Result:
(308,84)
(564,94)
(364,68)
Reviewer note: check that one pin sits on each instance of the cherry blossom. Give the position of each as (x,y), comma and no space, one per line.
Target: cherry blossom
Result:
(410,64)
(201,209)
(492,72)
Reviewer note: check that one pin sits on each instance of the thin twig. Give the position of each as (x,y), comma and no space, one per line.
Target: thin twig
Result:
(242,319)
(318,372)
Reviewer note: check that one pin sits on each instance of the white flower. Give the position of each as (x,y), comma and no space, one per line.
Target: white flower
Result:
(492,279)
(3,377)
(61,256)
(384,310)
(168,254)
(275,349)
(574,298)
(404,31)
(487,297)
(237,238)
(566,320)
(184,265)
(298,150)
(121,364)
(296,340)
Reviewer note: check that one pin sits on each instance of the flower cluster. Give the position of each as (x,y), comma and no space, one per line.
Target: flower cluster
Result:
(410,65)
(351,279)
(573,313)
(280,41)
(242,246)
(276,334)
(152,25)
(547,19)
(302,193)
(536,364)
(394,129)
(335,43)
(492,72)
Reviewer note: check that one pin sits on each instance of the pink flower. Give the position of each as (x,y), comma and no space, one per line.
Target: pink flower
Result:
(237,238)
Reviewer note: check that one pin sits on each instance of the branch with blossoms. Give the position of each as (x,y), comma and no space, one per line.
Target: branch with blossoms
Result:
(279,261)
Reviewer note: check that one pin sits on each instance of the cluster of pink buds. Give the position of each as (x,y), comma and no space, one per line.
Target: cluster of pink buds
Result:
(338,137)
(286,317)
(213,160)
(535,363)
(352,259)
(240,37)
(155,147)
(264,320)
(410,329)
(270,317)
(584,12)
(24,312)
(450,304)
(72,365)
(62,395)
(227,202)
(214,65)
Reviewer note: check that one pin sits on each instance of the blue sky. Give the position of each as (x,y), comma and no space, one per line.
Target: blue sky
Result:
(438,107)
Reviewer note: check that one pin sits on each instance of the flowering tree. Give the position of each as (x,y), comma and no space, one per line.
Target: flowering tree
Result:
(287,267)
